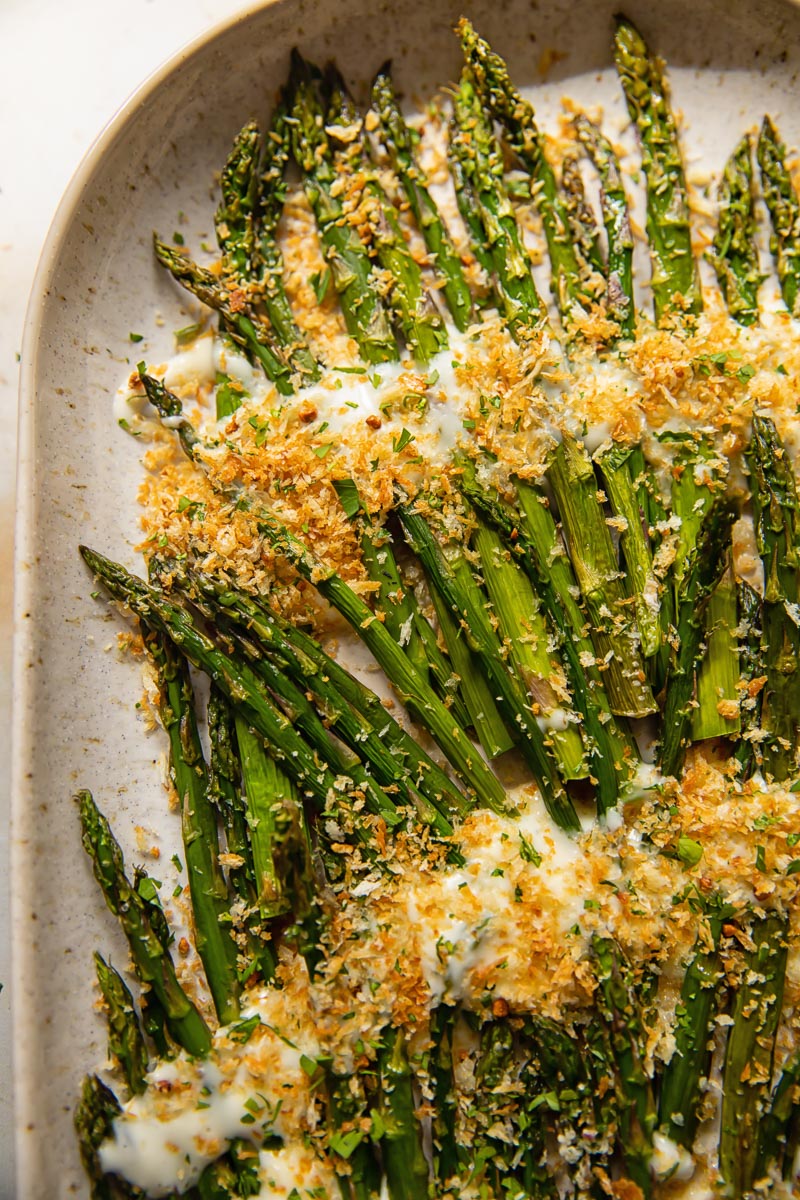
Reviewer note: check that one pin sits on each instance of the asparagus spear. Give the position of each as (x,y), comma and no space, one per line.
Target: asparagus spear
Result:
(125,1041)
(210,900)
(347,1110)
(694,1016)
(356,713)
(779,1127)
(234,220)
(350,266)
(523,629)
(396,603)
(268,794)
(238,320)
(499,97)
(473,146)
(224,778)
(717,712)
(777,520)
(491,1158)
(94,1119)
(404,1159)
(608,747)
(151,957)
(267,258)
(469,608)
(169,408)
(583,230)
(413,311)
(301,712)
(574,484)
(696,475)
(705,568)
(233,677)
(445,1099)
(470,210)
(614,205)
(399,140)
(734,253)
(483,714)
(748,609)
(417,696)
(620,1010)
(747,1071)
(620,485)
(784,211)
(675,282)
(547,547)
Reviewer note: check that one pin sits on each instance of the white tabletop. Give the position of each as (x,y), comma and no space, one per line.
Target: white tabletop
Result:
(66,70)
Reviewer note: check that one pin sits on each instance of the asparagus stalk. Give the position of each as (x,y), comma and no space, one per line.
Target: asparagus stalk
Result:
(398,139)
(583,230)
(620,1010)
(169,408)
(500,98)
(552,580)
(149,951)
(421,701)
(225,772)
(470,210)
(779,1127)
(675,282)
(748,608)
(546,546)
(492,1156)
(267,258)
(355,712)
(717,712)
(482,710)
(235,678)
(395,602)
(398,604)
(94,1122)
(301,712)
(614,205)
(445,1099)
(469,608)
(555,1076)
(234,220)
(523,629)
(777,520)
(694,1017)
(269,793)
(734,253)
(404,1159)
(347,1113)
(238,320)
(125,1041)
(483,713)
(747,1071)
(210,900)
(574,484)
(350,266)
(413,311)
(473,147)
(620,486)
(696,476)
(784,210)
(705,568)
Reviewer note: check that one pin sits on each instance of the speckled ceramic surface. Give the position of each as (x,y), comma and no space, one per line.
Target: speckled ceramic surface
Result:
(75,721)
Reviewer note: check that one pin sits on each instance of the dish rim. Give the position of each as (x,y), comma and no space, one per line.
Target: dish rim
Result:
(26,497)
